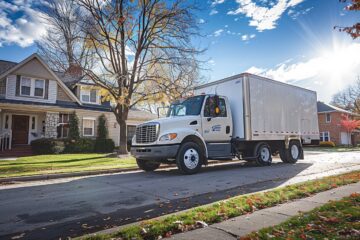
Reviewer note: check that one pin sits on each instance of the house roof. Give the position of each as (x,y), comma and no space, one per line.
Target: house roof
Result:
(36,56)
(141,114)
(325,108)
(6,65)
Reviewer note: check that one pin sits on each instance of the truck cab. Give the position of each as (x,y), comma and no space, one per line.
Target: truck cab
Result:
(195,129)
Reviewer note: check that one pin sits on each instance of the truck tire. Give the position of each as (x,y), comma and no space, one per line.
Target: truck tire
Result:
(263,154)
(189,158)
(147,165)
(292,154)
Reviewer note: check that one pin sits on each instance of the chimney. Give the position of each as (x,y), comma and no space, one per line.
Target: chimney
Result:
(75,70)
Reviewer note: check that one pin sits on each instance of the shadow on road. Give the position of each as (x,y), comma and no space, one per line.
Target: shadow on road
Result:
(91,204)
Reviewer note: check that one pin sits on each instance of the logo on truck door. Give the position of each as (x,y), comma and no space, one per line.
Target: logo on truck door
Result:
(216,128)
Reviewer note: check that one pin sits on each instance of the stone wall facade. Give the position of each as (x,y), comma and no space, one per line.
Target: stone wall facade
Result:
(51,123)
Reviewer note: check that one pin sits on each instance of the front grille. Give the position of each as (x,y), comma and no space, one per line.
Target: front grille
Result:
(147,133)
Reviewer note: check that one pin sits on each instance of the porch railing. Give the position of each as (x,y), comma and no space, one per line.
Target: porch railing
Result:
(5,140)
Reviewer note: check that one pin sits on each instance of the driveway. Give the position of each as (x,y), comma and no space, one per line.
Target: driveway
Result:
(76,206)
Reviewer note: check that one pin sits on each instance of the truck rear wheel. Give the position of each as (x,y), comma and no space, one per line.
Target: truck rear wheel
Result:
(189,158)
(263,154)
(147,165)
(292,154)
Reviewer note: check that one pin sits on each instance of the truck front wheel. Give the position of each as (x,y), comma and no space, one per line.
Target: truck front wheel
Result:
(146,165)
(189,158)
(263,154)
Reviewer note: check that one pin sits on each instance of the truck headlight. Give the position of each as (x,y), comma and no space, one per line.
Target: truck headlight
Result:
(168,137)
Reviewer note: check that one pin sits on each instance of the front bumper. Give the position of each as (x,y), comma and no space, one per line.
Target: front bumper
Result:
(155,152)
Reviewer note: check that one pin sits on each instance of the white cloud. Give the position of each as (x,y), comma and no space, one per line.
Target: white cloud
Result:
(25,28)
(327,74)
(263,17)
(211,62)
(216,2)
(213,12)
(201,21)
(295,14)
(247,37)
(217,33)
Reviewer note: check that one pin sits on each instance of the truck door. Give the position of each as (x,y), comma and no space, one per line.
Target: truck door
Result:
(217,126)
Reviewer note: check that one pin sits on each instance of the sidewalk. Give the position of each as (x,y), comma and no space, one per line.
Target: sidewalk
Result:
(234,228)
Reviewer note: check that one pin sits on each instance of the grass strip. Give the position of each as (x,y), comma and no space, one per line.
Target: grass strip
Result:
(62,163)
(225,209)
(334,220)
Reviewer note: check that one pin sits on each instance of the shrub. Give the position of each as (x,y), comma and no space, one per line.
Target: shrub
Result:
(47,146)
(102,131)
(104,145)
(74,133)
(81,145)
(327,144)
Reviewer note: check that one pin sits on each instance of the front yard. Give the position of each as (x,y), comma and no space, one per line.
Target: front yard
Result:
(332,149)
(62,163)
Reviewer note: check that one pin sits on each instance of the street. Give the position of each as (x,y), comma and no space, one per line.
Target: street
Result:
(76,206)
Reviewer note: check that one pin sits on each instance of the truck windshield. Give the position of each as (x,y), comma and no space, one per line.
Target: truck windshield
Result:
(191,106)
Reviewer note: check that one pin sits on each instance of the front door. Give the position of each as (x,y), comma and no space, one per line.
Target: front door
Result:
(20,129)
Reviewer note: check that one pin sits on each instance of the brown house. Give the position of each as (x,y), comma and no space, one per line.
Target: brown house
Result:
(330,127)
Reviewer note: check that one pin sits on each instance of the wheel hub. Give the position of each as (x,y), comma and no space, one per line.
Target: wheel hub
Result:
(191,158)
(265,154)
(294,151)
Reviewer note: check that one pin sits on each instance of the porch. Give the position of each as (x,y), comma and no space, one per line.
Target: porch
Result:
(19,127)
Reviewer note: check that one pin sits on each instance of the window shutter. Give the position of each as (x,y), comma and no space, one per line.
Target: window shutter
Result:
(46,95)
(17,91)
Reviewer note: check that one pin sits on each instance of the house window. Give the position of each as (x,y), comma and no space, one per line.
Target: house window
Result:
(89,96)
(328,117)
(324,136)
(7,121)
(88,127)
(39,88)
(33,123)
(32,87)
(25,86)
(63,126)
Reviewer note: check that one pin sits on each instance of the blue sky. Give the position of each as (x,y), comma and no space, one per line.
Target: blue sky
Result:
(287,40)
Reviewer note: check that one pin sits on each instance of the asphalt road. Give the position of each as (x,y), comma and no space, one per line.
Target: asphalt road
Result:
(72,207)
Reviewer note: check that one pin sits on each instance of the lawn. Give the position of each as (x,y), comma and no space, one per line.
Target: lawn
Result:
(62,163)
(334,220)
(332,149)
(223,210)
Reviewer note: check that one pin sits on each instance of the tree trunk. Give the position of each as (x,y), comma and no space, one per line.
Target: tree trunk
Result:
(123,137)
(121,113)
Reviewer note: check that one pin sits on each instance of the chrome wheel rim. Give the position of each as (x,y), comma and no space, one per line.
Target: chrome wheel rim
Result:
(191,158)
(265,154)
(294,151)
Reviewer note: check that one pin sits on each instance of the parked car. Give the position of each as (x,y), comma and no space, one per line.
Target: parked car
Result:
(244,116)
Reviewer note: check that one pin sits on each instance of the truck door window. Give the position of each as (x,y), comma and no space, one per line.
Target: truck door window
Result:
(209,109)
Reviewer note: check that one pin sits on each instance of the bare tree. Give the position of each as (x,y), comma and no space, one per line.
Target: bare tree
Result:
(137,45)
(63,46)
(349,98)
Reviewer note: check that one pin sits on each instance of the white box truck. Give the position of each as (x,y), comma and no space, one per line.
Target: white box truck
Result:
(245,116)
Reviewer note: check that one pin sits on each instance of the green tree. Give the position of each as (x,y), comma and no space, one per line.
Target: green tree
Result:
(74,133)
(102,131)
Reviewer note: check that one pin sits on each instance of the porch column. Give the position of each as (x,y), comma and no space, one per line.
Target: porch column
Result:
(51,123)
